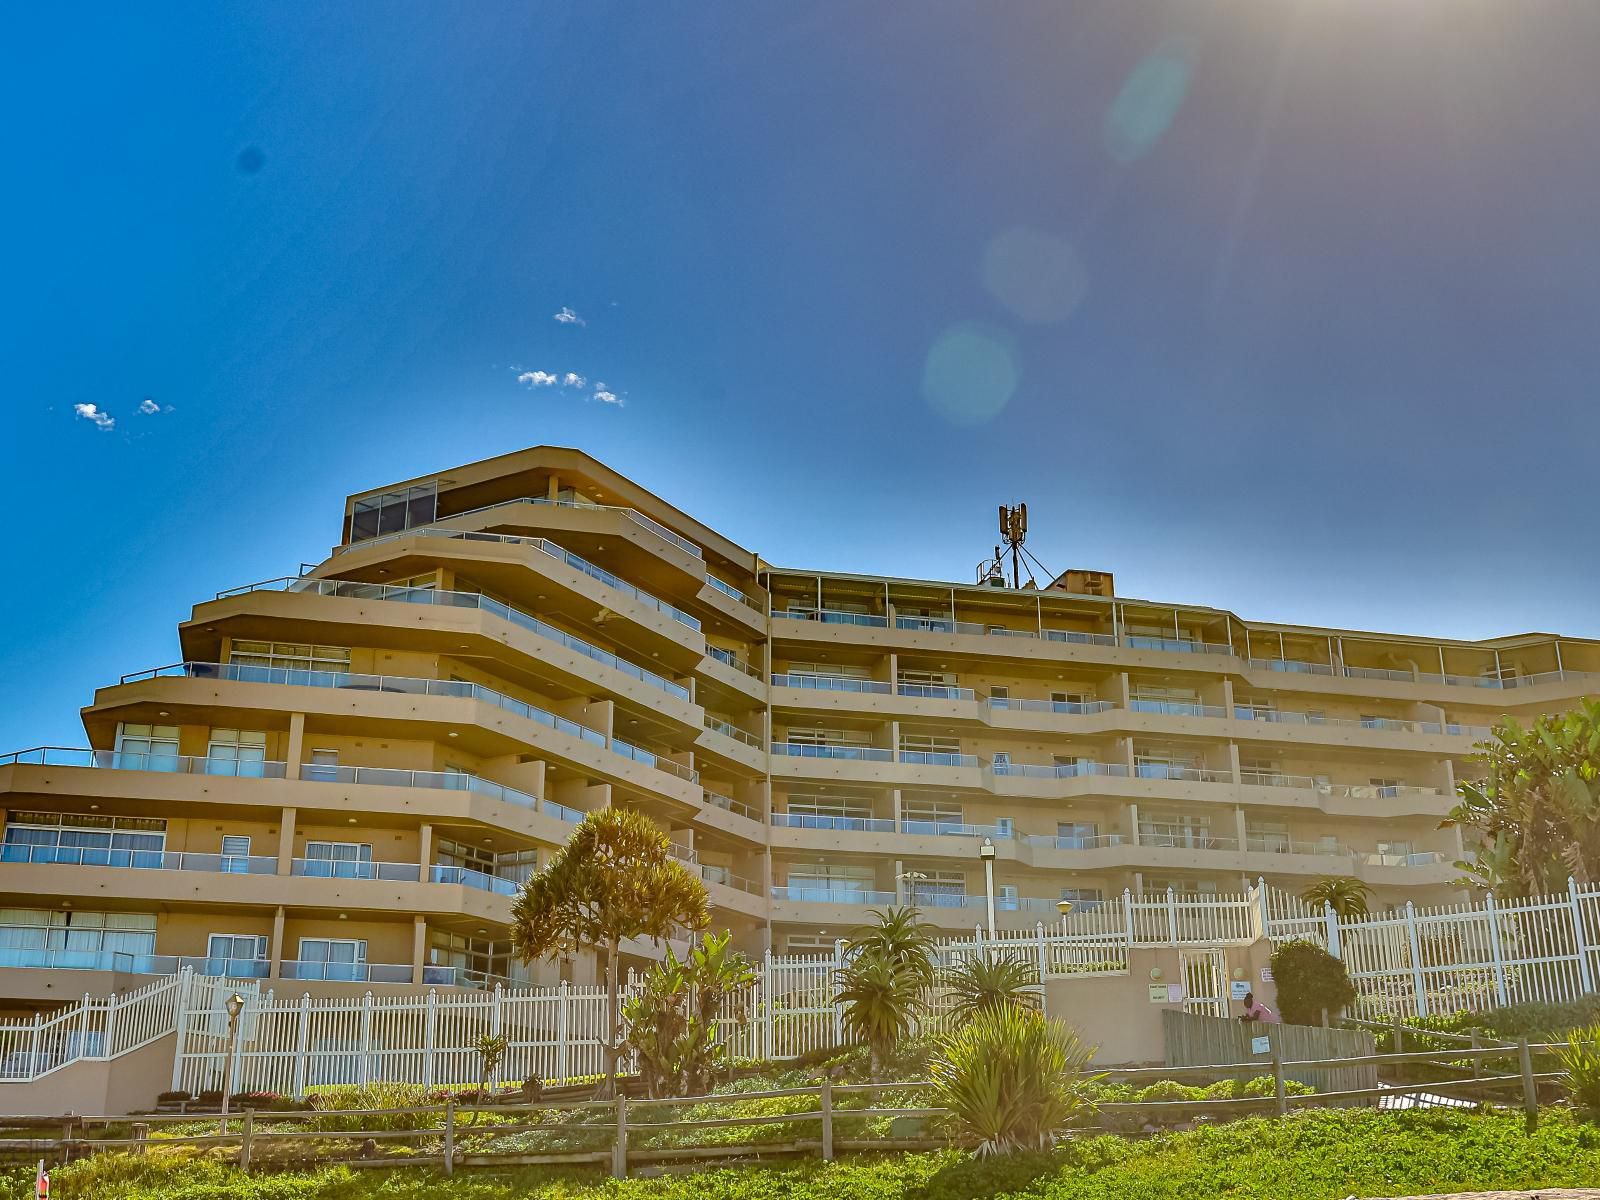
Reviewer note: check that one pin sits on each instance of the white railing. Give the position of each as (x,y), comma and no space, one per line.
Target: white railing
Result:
(934,691)
(1177,708)
(1387,724)
(937,758)
(86,1029)
(803,820)
(345,680)
(729,804)
(1072,770)
(131,760)
(440,598)
(1098,841)
(821,750)
(1182,774)
(730,730)
(823,894)
(597,573)
(634,515)
(729,659)
(833,683)
(832,616)
(1073,708)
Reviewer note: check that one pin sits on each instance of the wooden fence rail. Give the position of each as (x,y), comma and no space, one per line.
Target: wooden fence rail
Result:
(443,1124)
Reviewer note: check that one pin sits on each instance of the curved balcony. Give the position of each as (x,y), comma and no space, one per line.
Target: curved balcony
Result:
(412,686)
(139,860)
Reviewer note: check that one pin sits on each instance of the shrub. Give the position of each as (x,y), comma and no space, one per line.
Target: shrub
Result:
(259,1100)
(991,981)
(174,1098)
(1013,1079)
(210,1096)
(331,1102)
(881,999)
(1309,980)
(1580,1058)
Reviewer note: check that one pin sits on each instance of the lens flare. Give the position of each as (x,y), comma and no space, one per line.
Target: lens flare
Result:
(1037,275)
(1149,101)
(970,373)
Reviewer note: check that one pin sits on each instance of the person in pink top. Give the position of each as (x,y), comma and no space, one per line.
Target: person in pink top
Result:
(1254,1010)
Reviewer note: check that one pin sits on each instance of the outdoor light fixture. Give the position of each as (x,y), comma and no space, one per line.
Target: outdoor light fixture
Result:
(1155,972)
(235,1006)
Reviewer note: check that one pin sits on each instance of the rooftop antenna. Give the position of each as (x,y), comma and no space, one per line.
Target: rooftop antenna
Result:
(1013,532)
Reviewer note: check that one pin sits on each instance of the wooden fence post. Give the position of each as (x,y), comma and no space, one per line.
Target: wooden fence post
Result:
(827,1119)
(246,1138)
(1530,1093)
(141,1136)
(1399,1035)
(1477,1063)
(1280,1093)
(450,1136)
(619,1148)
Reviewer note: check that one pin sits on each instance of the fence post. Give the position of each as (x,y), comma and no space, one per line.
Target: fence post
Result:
(1044,967)
(769,1030)
(302,1046)
(1417,980)
(1279,1092)
(364,1072)
(1399,1035)
(1331,920)
(1263,902)
(1495,953)
(1585,972)
(83,1025)
(619,1148)
(108,1043)
(450,1135)
(1530,1093)
(181,1024)
(141,1137)
(246,1137)
(563,1031)
(1477,1063)
(430,1037)
(1172,916)
(1127,914)
(827,1119)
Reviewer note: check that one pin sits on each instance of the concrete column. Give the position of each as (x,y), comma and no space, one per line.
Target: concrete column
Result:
(1130,813)
(1127,747)
(286,841)
(419,946)
(1233,758)
(895,808)
(893,679)
(295,751)
(1121,692)
(275,945)
(555,486)
(1227,697)
(1239,825)
(425,851)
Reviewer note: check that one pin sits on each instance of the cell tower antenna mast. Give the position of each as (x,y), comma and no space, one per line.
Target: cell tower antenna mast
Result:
(1013,532)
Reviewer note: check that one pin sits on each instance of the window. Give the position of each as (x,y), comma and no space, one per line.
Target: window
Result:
(34,937)
(929,744)
(928,678)
(1164,764)
(823,881)
(1176,830)
(831,806)
(147,747)
(238,752)
(1184,887)
(1005,898)
(84,839)
(323,767)
(292,656)
(1066,701)
(999,695)
(830,737)
(845,670)
(939,889)
(390,512)
(929,816)
(236,854)
(809,943)
(479,958)
(239,947)
(333,958)
(1083,898)
(339,860)
(1271,837)
(1387,788)
(1076,835)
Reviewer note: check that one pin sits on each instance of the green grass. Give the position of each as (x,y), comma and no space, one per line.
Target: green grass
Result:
(1324,1155)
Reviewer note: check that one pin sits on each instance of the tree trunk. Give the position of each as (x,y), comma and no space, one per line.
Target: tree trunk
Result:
(612,1015)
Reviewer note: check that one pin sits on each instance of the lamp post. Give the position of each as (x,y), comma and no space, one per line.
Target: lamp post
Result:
(235,1006)
(986,852)
(908,881)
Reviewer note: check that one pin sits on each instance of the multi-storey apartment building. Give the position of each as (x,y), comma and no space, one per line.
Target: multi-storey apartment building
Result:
(351,769)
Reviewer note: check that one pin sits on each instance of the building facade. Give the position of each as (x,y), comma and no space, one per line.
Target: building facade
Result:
(345,779)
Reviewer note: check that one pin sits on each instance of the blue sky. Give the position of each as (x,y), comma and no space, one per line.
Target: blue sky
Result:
(1287,308)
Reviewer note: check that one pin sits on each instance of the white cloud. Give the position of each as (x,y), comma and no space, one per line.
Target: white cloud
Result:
(573,379)
(150,408)
(537,378)
(606,397)
(102,420)
(567,317)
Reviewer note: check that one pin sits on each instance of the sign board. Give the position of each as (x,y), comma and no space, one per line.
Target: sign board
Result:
(1266,974)
(1174,993)
(1158,993)
(1238,989)
(1261,1045)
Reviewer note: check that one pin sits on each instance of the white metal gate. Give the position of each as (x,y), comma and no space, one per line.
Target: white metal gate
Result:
(1205,982)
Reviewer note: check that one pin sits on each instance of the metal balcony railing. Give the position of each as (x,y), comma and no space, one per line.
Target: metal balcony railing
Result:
(139,860)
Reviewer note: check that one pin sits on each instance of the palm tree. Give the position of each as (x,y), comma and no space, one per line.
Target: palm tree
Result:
(988,982)
(881,1000)
(615,879)
(898,937)
(1345,895)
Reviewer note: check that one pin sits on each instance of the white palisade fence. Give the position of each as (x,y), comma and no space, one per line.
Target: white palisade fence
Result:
(1405,962)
